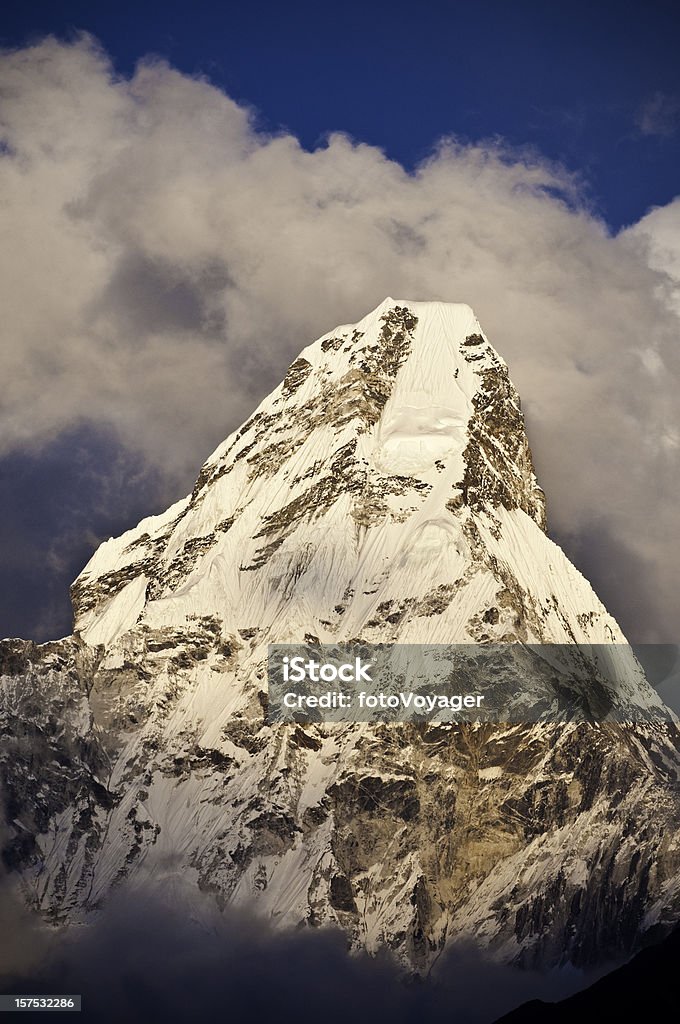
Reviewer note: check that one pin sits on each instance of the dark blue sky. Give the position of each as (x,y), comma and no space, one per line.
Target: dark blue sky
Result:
(593,85)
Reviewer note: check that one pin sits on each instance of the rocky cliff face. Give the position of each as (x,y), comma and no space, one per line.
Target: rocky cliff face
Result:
(385,493)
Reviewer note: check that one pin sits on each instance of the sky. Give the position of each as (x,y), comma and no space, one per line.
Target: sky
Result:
(193,192)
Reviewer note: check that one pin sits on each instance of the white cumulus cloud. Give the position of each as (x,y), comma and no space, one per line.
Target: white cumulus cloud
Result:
(163,261)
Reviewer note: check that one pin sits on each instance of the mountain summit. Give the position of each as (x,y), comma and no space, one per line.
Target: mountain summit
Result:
(384,492)
(390,468)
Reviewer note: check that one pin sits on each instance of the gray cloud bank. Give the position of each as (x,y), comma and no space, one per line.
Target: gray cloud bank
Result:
(163,261)
(57,504)
(147,957)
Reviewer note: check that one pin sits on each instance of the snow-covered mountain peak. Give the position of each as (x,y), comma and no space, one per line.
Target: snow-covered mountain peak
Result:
(406,366)
(384,492)
(382,438)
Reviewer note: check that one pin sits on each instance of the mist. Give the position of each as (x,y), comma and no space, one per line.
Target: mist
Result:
(147,957)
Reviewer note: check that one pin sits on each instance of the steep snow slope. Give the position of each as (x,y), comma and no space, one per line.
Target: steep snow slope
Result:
(384,492)
(392,453)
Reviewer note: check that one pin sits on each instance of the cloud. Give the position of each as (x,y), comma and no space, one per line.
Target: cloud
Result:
(657,236)
(659,115)
(58,504)
(164,261)
(24,941)
(145,957)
